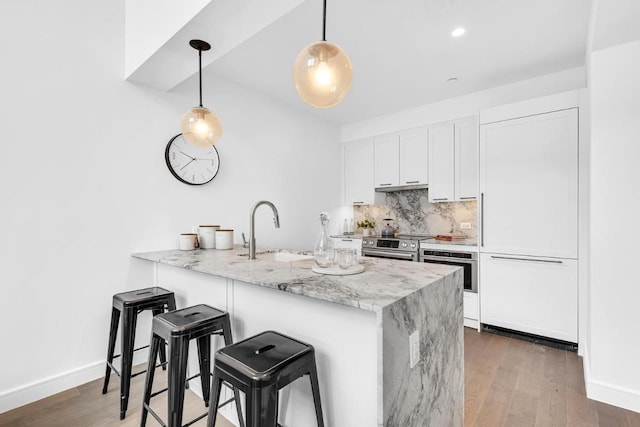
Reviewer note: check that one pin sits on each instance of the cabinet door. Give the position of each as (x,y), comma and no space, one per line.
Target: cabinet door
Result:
(358,173)
(414,165)
(529,185)
(533,295)
(441,163)
(387,169)
(466,162)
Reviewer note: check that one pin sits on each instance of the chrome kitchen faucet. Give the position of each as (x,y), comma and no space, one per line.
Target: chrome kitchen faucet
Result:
(252,229)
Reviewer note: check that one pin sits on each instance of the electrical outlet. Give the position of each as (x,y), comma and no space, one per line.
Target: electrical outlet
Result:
(414,348)
(465,226)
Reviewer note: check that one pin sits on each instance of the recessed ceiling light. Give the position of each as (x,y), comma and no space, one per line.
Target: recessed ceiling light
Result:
(458,32)
(452,80)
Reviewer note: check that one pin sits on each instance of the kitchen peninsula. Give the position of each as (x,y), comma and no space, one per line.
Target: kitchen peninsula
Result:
(359,324)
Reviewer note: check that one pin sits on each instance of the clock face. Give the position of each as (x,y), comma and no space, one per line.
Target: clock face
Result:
(190,164)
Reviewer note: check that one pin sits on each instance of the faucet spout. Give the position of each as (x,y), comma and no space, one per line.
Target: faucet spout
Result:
(252,225)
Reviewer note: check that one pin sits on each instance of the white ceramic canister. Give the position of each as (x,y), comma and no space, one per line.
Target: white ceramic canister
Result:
(207,236)
(224,239)
(188,241)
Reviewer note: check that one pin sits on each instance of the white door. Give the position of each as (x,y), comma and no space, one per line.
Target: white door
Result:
(387,156)
(358,173)
(529,185)
(414,165)
(466,162)
(441,163)
(533,295)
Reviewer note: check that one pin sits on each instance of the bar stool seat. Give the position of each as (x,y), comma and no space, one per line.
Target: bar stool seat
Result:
(177,328)
(129,305)
(260,366)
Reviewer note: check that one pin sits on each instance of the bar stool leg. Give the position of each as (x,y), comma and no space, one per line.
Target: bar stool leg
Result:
(315,389)
(228,340)
(156,342)
(129,319)
(262,407)
(215,399)
(179,353)
(113,332)
(204,358)
(163,351)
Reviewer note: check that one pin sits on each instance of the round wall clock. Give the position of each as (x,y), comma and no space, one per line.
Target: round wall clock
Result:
(190,164)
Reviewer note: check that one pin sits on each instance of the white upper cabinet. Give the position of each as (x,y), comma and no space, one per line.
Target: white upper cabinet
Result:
(387,155)
(414,165)
(358,173)
(466,163)
(441,163)
(453,161)
(529,185)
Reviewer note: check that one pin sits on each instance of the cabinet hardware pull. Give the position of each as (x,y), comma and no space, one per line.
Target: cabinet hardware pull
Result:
(347,240)
(411,182)
(481,219)
(467,198)
(551,261)
(441,198)
(382,185)
(358,203)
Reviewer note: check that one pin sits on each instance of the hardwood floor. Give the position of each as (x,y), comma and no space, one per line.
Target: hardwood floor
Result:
(86,406)
(508,382)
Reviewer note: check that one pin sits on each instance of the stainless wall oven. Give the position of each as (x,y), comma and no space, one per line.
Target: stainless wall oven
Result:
(467,260)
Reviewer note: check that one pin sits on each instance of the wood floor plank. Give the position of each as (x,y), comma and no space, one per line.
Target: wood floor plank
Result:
(610,416)
(522,410)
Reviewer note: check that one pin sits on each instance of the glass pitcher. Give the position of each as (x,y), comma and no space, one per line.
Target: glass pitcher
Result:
(323,251)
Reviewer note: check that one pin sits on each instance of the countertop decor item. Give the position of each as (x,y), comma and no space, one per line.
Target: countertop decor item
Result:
(367,227)
(323,251)
(200,126)
(190,164)
(322,72)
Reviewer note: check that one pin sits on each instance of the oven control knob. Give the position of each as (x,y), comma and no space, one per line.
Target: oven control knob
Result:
(413,245)
(404,245)
(371,242)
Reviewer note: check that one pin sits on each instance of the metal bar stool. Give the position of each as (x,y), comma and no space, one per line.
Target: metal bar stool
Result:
(177,328)
(130,304)
(260,366)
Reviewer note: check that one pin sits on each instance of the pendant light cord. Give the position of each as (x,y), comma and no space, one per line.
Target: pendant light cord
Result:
(200,73)
(324,21)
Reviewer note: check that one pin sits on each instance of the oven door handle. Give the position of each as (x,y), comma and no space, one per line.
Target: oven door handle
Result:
(389,254)
(448,259)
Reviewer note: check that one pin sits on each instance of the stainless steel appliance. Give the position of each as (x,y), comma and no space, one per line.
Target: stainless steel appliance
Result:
(392,248)
(467,260)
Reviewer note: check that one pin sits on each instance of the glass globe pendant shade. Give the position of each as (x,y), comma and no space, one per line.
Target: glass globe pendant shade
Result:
(322,74)
(200,127)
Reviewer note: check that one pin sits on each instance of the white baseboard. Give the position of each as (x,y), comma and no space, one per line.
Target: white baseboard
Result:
(28,393)
(608,393)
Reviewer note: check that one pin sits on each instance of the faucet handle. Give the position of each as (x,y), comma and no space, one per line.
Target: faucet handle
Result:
(245,243)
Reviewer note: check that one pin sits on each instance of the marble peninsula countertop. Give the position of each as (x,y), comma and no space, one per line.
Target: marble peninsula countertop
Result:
(382,283)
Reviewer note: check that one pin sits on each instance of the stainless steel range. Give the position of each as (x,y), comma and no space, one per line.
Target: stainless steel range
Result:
(404,246)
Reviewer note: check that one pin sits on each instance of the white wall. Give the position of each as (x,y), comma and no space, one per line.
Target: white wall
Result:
(614,345)
(83,184)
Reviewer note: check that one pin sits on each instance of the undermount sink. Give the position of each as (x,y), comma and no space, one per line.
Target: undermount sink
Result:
(287,257)
(280,256)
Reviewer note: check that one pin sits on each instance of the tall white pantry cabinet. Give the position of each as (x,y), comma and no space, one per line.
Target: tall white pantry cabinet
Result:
(529,222)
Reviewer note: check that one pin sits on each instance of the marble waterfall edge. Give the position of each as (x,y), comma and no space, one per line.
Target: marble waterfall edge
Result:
(429,394)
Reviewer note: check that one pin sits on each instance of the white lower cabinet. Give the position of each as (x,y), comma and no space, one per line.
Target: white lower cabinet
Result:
(530,294)
(348,242)
(470,309)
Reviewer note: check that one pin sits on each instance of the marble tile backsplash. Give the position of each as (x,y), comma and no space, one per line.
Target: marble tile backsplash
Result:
(413,214)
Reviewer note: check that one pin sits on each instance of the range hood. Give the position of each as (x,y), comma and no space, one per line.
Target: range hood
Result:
(387,189)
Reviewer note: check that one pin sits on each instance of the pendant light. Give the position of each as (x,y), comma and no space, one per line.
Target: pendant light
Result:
(200,126)
(322,72)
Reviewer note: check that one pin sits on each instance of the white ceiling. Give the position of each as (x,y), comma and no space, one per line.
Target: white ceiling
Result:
(402,51)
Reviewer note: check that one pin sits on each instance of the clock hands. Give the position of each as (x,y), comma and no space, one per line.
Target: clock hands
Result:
(188,163)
